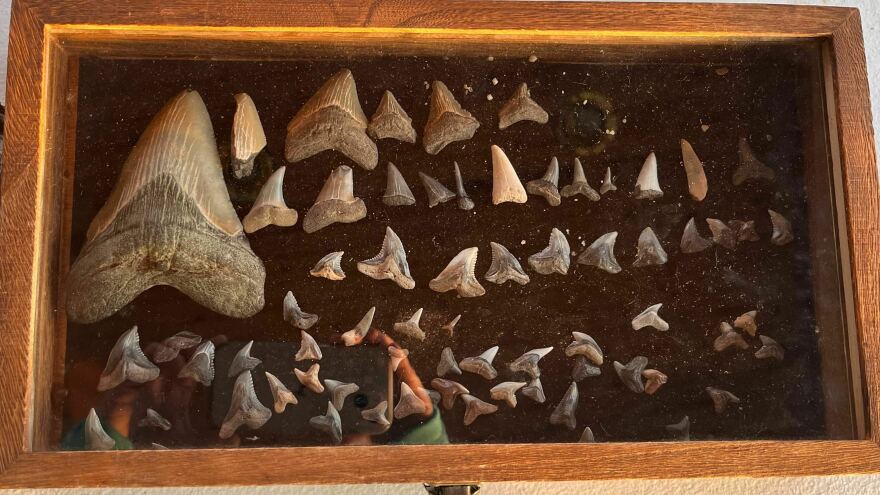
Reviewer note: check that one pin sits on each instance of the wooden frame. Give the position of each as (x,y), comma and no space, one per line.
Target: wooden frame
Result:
(46,38)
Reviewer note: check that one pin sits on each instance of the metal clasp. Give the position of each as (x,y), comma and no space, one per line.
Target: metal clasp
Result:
(452,489)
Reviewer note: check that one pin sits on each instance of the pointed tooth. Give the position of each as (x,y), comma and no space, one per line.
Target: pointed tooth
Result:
(745,230)
(547,186)
(397,191)
(280,393)
(158,446)
(434,396)
(722,234)
(729,337)
(447,364)
(505,267)
(390,263)
(154,420)
(459,275)
(585,345)
(721,398)
(329,267)
(391,121)
(601,254)
(356,335)
(535,391)
(437,192)
(647,185)
(631,373)
(521,107)
(482,364)
(579,184)
(96,437)
(248,137)
(296,316)
(653,380)
(769,349)
(270,208)
(564,414)
(528,362)
(447,120)
(200,366)
(506,185)
(693,167)
(409,403)
(397,355)
(127,362)
(587,436)
(506,391)
(607,183)
(194,242)
(682,429)
(309,379)
(377,414)
(335,203)
(449,328)
(691,240)
(172,346)
(330,423)
(650,317)
(749,165)
(339,391)
(448,391)
(746,322)
(555,258)
(781,229)
(245,409)
(464,201)
(474,408)
(411,327)
(309,350)
(649,251)
(582,369)
(243,361)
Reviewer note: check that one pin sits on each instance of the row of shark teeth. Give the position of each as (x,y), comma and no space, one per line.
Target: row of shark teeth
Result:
(127,362)
(269,208)
(474,407)
(245,409)
(294,315)
(600,253)
(482,365)
(390,263)
(521,107)
(335,203)
(398,193)
(329,267)
(170,348)
(248,137)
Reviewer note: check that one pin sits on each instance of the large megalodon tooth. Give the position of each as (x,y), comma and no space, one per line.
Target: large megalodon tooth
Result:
(749,165)
(309,350)
(464,201)
(447,121)
(482,364)
(336,202)
(448,391)
(459,275)
(172,346)
(601,254)
(506,391)
(330,423)
(584,345)
(397,191)
(691,240)
(248,137)
(391,121)
(411,327)
(649,250)
(506,185)
(437,192)
(647,185)
(243,361)
(269,207)
(505,267)
(329,267)
(555,258)
(528,362)
(721,398)
(650,317)
(409,403)
(356,335)
(153,419)
(564,414)
(244,407)
(631,373)
(728,338)
(281,395)
(127,362)
(309,379)
(447,364)
(377,414)
(722,234)
(548,185)
(521,107)
(693,167)
(294,315)
(535,391)
(96,437)
(579,184)
(339,391)
(474,408)
(390,263)
(200,366)
(168,221)
(781,229)
(332,119)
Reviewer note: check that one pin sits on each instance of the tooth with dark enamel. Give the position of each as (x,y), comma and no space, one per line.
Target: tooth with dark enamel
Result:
(411,328)
(127,362)
(607,183)
(579,184)
(745,230)
(330,423)
(447,121)
(746,322)
(770,349)
(505,267)
(647,185)
(587,436)
(528,362)
(555,258)
(459,275)
(521,107)
(506,391)
(682,429)
(449,328)
(691,240)
(781,229)
(464,201)
(448,391)
(649,251)
(535,391)
(335,203)
(154,420)
(601,254)
(391,121)
(447,364)
(582,369)
(729,337)
(693,167)
(653,380)
(721,398)
(722,234)
(585,345)
(96,437)
(378,414)
(631,373)
(390,263)
(194,242)
(332,119)
(329,267)
(396,355)
(474,408)
(397,191)
(356,335)
(506,186)
(309,379)
(437,192)
(296,316)
(564,414)
(172,346)
(248,137)
(408,403)
(339,391)
(309,350)
(547,186)
(280,393)
(749,166)
(245,409)
(200,366)
(482,364)
(650,317)
(269,207)
(243,361)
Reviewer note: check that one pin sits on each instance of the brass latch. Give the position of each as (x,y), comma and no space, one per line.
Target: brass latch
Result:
(452,489)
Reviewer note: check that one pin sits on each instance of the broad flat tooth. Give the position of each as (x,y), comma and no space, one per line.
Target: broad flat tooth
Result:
(649,251)
(722,234)
(335,203)
(564,414)
(555,258)
(653,380)
(601,254)
(172,346)
(356,335)
(154,420)
(437,192)
(482,364)
(721,398)
(769,349)
(528,362)
(587,436)
(505,267)
(746,322)
(506,391)
(168,221)
(448,391)
(96,437)
(330,423)
(447,121)
(397,191)
(647,185)
(309,350)
(650,317)
(781,229)
(411,328)
(296,316)
(607,184)
(377,414)
(506,185)
(339,391)
(243,361)
(582,369)
(447,364)
(745,230)
(397,355)
(329,267)
(391,121)
(729,337)
(459,275)
(127,362)
(691,240)
(474,408)
(464,201)
(200,366)
(547,186)
(631,373)
(682,429)
(579,184)
(521,107)
(585,345)
(409,403)
(332,119)
(535,391)
(390,263)
(693,167)
(449,328)
(248,137)
(244,407)
(280,393)
(269,207)
(309,379)
(749,165)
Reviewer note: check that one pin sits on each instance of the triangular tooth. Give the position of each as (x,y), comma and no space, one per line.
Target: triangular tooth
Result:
(650,317)
(296,316)
(647,185)
(280,393)
(579,184)
(244,407)
(769,349)
(200,366)
(269,207)
(447,364)
(459,275)
(158,446)
(528,362)
(649,251)
(397,355)
(153,419)
(691,240)
(607,184)
(693,167)
(330,423)
(391,121)
(749,165)
(564,414)
(409,403)
(653,380)
(547,186)
(411,327)
(506,185)
(377,414)
(506,391)
(437,192)
(587,436)
(96,437)
(449,328)
(535,391)
(722,234)
(309,350)
(747,322)
(729,337)
(448,391)
(682,429)
(127,362)
(521,107)
(745,230)
(329,267)
(172,346)
(781,229)
(332,119)
(482,364)
(464,201)
(397,191)
(505,267)
(555,258)
(474,408)
(631,373)
(336,202)
(601,254)
(582,369)
(339,391)
(390,263)
(356,335)
(168,221)
(243,361)
(248,137)
(721,398)
(585,345)
(447,121)
(309,378)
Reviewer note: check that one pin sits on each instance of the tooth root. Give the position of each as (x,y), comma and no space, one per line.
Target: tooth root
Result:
(437,192)
(329,267)
(448,391)
(745,230)
(248,137)
(280,393)
(583,369)
(296,316)
(650,317)
(555,258)
(194,242)
(691,240)
(587,436)
(391,121)
(721,399)
(564,414)
(397,355)
(309,350)
(464,201)
(722,234)
(585,345)
(339,391)
(770,349)
(309,379)
(378,414)
(449,328)
(482,364)
(528,362)
(781,229)
(746,322)
(521,107)
(245,408)
(682,429)
(390,263)
(330,423)
(649,251)
(459,275)
(411,328)
(127,362)
(693,167)
(506,391)
(749,165)
(335,203)
(356,335)
(506,186)
(601,254)
(579,184)
(200,366)
(647,185)
(397,191)
(447,121)
(535,391)
(653,380)
(447,364)
(631,373)
(547,186)
(728,338)
(243,361)
(96,437)
(154,420)
(409,403)
(172,346)
(505,267)
(270,208)
(474,408)
(332,119)
(607,184)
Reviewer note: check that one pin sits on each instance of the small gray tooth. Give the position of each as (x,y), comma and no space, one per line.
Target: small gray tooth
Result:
(172,346)
(330,423)
(448,391)
(309,350)
(339,391)
(528,362)
(96,437)
(653,380)
(505,267)
(586,346)
(459,275)
(474,408)
(329,267)
(335,203)
(770,349)
(449,328)
(535,391)
(280,393)
(356,335)
(296,316)
(555,258)
(579,184)
(437,192)
(390,263)
(506,391)
(378,414)
(564,414)
(650,317)
(631,373)
(269,207)
(309,379)
(521,107)
(409,403)
(464,201)
(397,355)
(583,369)
(244,407)
(649,251)
(547,186)
(691,240)
(127,362)
(781,229)
(397,192)
(749,166)
(411,327)
(647,185)
(391,121)
(601,254)
(721,398)
(154,420)
(722,234)
(682,429)
(447,363)
(587,436)
(482,364)
(243,361)
(200,366)
(607,184)
(729,337)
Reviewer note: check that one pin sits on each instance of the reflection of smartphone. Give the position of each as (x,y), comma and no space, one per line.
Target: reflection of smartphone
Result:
(367,366)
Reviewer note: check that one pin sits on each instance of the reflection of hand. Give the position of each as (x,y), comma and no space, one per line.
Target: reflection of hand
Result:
(405,372)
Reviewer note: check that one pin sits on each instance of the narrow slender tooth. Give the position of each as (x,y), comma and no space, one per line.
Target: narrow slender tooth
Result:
(329,267)
(332,119)
(722,234)
(356,335)
(245,409)
(437,192)
(528,362)
(649,251)
(269,207)
(448,391)
(745,230)
(474,408)
(728,338)
(482,364)
(309,350)
(96,437)
(647,185)
(770,349)
(449,328)
(397,355)
(691,240)
(653,380)
(682,429)
(339,391)
(280,393)
(749,165)
(309,379)
(505,267)
(243,361)
(506,391)
(781,229)
(601,254)
(397,191)
(564,414)
(200,366)
(447,364)
(330,423)
(607,183)
(390,263)
(447,120)
(411,327)
(721,399)
(747,322)
(172,346)
(248,137)
(587,436)
(698,186)
(521,107)
(547,186)
(127,362)
(535,391)
(585,345)
(459,275)
(464,201)
(631,373)
(650,317)
(335,203)
(579,184)
(377,414)
(506,185)
(555,258)
(154,420)
(296,316)
(583,369)
(391,121)
(409,403)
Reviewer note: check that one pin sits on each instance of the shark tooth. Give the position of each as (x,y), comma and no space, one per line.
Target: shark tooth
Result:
(356,335)
(397,191)
(729,337)
(243,361)
(248,137)
(335,203)
(505,267)
(474,408)
(693,167)
(482,364)
(547,186)
(332,119)
(447,121)
(506,185)
(391,121)
(459,275)
(200,366)
(535,391)
(781,229)
(464,201)
(769,349)
(280,393)
(269,207)
(650,317)
(339,391)
(601,254)
(154,420)
(450,327)
(448,391)
(691,240)
(746,322)
(397,355)
(309,350)
(296,316)
(172,346)
(521,107)
(555,258)
(582,369)
(168,221)
(579,184)
(564,414)
(309,379)
(653,380)
(377,414)
(329,267)
(631,373)
(587,436)
(434,396)
(749,166)
(437,192)
(649,251)
(244,407)
(745,230)
(607,184)
(528,362)
(127,362)
(447,364)
(647,185)
(411,328)
(158,446)
(721,398)
(586,346)
(682,429)
(506,391)
(722,234)
(330,423)
(390,263)
(96,437)
(409,403)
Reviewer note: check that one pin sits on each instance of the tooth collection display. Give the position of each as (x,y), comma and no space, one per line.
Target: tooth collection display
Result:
(437,192)
(296,316)
(691,240)
(336,202)
(601,254)
(528,362)
(447,120)
(390,263)
(555,258)
(781,229)
(482,364)
(506,186)
(564,414)
(309,350)
(248,137)
(647,185)
(586,346)
(96,436)
(269,207)
(200,366)
(281,395)
(698,186)
(447,364)
(650,317)
(408,403)
(521,107)
(356,335)
(411,327)
(397,191)
(391,121)
(464,201)
(579,184)
(505,267)
(243,361)
(172,346)
(152,419)
(245,409)
(506,391)
(749,166)
(309,379)
(474,408)
(127,362)
(448,391)
(459,275)
(649,252)
(547,186)
(339,391)
(721,398)
(329,267)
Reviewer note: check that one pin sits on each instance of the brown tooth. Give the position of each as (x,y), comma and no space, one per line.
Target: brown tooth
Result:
(309,379)
(390,263)
(391,121)
(653,380)
(294,315)
(749,166)
(506,186)
(722,234)
(555,258)
(339,391)
(447,120)
(647,185)
(309,350)
(281,395)
(607,183)
(447,364)
(521,107)
(335,203)
(693,167)
(535,391)
(505,267)
(474,408)
(745,230)
(448,390)
(721,398)
(691,240)
(449,328)
(410,327)
(459,275)
(729,337)
(746,322)
(248,137)
(329,267)
(377,414)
